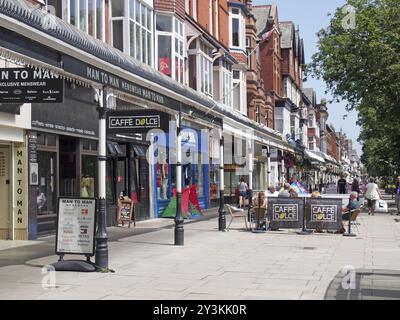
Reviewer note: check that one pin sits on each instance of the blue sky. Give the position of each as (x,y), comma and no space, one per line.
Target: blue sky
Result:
(311,16)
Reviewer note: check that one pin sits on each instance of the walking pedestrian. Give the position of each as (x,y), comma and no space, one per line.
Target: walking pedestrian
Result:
(355,187)
(398,195)
(243,189)
(372,195)
(342,185)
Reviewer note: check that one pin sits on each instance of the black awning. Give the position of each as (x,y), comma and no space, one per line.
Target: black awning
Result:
(14,108)
(140,151)
(114,149)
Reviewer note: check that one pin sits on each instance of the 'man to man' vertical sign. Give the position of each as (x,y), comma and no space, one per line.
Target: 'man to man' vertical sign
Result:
(20,192)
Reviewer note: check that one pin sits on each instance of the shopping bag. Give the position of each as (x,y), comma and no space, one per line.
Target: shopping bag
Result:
(381,206)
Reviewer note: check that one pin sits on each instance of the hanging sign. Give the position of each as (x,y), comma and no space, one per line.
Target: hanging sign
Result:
(26,85)
(76,226)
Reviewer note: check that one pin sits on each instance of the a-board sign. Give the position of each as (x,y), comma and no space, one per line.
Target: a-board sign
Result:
(285,213)
(76,226)
(324,213)
(125,211)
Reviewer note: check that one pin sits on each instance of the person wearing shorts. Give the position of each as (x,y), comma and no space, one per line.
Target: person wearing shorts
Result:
(372,194)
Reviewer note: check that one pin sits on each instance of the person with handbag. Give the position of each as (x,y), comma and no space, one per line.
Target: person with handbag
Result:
(372,195)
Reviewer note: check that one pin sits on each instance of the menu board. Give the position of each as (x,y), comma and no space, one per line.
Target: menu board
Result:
(76,226)
(125,211)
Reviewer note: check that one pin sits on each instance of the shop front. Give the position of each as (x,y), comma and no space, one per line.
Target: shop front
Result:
(14,172)
(195,166)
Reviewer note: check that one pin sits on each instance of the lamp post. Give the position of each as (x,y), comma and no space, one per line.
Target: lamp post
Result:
(250,179)
(221,211)
(179,231)
(101,255)
(268,167)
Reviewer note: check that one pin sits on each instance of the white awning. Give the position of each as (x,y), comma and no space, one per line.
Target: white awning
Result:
(314,156)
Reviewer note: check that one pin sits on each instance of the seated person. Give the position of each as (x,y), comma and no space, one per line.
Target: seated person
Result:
(353,205)
(285,192)
(316,194)
(272,192)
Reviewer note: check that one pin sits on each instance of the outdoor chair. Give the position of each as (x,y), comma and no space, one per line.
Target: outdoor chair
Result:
(259,218)
(235,212)
(353,217)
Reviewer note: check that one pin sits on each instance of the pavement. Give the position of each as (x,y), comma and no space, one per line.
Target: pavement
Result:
(212,265)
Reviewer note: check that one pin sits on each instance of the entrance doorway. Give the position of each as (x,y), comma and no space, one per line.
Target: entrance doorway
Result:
(4,191)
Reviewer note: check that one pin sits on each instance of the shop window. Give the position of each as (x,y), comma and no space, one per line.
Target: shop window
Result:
(89,145)
(110,185)
(45,139)
(89,170)
(46,195)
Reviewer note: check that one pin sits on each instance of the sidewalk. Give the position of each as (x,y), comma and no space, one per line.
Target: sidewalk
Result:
(234,265)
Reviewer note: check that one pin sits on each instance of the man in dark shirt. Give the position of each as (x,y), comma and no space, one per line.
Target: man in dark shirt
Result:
(342,185)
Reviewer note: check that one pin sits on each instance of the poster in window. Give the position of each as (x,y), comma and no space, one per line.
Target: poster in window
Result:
(164,65)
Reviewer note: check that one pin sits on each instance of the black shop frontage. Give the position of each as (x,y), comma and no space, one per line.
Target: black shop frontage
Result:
(63,139)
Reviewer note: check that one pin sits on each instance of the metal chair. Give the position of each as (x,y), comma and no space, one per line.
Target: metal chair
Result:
(236,213)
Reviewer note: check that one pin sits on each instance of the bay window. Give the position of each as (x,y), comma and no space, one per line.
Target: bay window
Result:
(88,16)
(201,67)
(227,84)
(239,91)
(132,22)
(170,46)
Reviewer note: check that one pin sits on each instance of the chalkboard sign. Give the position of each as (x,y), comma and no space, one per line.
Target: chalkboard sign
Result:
(324,213)
(285,213)
(76,221)
(126,212)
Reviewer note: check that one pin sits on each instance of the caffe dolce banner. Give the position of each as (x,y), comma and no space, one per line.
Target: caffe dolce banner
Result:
(324,213)
(287,213)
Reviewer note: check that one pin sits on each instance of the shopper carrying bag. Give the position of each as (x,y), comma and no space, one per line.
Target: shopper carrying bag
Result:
(372,195)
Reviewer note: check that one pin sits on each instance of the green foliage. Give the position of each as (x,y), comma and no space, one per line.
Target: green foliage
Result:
(362,66)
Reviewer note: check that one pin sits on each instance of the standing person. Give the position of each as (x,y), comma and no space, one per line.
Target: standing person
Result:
(398,195)
(342,185)
(243,188)
(355,187)
(372,194)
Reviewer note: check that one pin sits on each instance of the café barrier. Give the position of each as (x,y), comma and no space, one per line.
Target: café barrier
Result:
(323,213)
(286,213)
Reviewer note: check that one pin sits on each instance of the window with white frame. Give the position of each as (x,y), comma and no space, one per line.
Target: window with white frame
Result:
(237,28)
(88,16)
(132,28)
(236,90)
(201,67)
(170,46)
(226,79)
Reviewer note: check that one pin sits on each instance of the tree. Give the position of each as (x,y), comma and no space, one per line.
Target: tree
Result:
(360,63)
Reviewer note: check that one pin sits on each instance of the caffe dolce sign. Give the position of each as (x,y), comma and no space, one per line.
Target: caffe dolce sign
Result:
(137,121)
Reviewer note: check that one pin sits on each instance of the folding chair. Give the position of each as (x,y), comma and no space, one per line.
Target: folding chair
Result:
(236,213)
(353,217)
